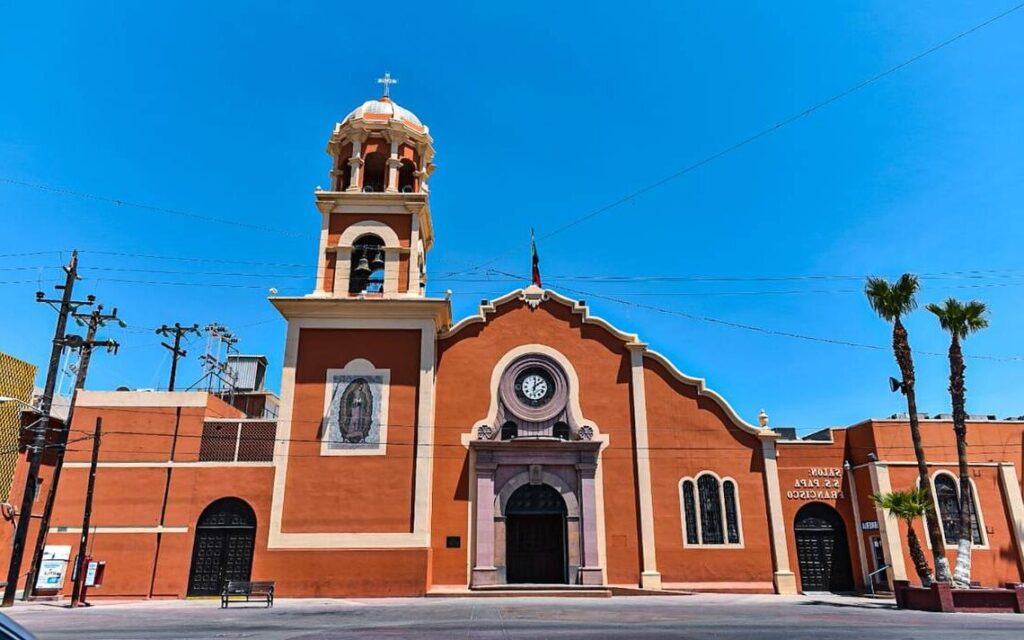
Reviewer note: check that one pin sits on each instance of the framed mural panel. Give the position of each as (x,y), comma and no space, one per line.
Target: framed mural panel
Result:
(355,410)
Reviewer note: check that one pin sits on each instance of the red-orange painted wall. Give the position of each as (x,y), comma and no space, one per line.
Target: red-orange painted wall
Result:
(333,493)
(689,434)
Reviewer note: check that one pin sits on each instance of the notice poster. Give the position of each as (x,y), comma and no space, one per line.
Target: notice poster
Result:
(53,567)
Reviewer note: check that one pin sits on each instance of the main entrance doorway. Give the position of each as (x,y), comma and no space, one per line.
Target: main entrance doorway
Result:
(535,550)
(223,547)
(822,550)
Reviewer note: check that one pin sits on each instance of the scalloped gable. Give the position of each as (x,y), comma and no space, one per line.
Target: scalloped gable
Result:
(534,296)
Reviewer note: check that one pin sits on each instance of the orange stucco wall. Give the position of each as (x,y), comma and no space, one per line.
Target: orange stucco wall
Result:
(997,561)
(355,482)
(689,434)
(805,477)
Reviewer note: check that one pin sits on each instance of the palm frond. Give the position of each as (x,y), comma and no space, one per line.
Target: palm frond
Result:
(958,318)
(890,300)
(906,505)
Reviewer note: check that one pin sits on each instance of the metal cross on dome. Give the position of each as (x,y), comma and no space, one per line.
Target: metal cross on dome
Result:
(387,81)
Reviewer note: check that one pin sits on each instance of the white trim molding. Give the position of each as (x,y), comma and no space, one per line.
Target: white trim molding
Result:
(122,530)
(358,368)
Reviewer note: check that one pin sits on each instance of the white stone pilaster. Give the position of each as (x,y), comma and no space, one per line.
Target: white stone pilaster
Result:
(784,579)
(650,578)
(892,549)
(1015,507)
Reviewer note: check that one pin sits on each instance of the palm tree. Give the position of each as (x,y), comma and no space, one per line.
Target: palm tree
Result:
(891,301)
(961,320)
(908,506)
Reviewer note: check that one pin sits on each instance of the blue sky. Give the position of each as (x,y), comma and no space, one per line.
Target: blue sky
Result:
(541,113)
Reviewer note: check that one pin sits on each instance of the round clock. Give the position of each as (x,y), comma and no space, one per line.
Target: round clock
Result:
(534,387)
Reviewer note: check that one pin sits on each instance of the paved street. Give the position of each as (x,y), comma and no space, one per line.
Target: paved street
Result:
(690,617)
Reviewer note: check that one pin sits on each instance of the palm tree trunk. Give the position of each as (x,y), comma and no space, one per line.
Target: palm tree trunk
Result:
(957,393)
(901,349)
(924,572)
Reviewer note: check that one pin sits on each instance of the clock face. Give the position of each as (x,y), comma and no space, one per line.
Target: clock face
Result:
(534,387)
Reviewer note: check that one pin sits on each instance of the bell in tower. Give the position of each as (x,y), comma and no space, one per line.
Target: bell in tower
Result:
(382,158)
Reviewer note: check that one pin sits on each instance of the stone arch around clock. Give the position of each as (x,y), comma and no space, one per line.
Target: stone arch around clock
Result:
(562,409)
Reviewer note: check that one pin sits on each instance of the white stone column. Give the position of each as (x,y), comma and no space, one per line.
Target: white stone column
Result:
(1015,507)
(784,579)
(649,576)
(356,165)
(394,163)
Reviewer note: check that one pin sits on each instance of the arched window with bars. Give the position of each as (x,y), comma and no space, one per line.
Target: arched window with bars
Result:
(710,510)
(946,489)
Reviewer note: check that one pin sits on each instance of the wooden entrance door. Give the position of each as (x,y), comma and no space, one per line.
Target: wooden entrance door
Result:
(535,544)
(822,550)
(223,547)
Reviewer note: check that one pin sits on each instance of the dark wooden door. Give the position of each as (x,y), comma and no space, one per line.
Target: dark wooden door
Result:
(535,551)
(822,550)
(223,547)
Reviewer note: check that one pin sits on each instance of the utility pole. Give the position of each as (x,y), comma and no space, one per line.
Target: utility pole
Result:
(92,321)
(67,305)
(178,332)
(83,541)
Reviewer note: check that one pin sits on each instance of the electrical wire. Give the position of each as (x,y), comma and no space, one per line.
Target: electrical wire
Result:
(148,207)
(763,132)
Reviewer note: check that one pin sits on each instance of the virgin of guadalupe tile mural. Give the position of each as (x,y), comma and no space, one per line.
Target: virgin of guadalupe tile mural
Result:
(354,417)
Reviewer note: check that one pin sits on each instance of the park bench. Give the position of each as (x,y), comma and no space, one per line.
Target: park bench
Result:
(234,590)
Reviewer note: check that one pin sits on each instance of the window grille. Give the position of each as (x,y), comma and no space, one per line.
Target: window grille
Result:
(690,512)
(710,510)
(218,442)
(732,526)
(947,500)
(238,441)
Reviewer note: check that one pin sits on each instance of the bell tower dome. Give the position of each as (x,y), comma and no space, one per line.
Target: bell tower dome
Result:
(376,227)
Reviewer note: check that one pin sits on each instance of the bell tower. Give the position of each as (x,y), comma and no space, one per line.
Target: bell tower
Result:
(376,227)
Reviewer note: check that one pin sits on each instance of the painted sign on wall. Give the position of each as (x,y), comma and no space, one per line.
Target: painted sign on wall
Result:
(821,483)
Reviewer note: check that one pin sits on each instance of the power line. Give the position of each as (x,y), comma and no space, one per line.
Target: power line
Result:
(148,207)
(765,132)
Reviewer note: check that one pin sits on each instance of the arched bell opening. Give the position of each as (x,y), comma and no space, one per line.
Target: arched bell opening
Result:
(375,172)
(366,267)
(822,550)
(344,177)
(407,176)
(223,547)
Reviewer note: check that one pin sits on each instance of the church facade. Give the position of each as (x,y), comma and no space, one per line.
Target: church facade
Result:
(530,443)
